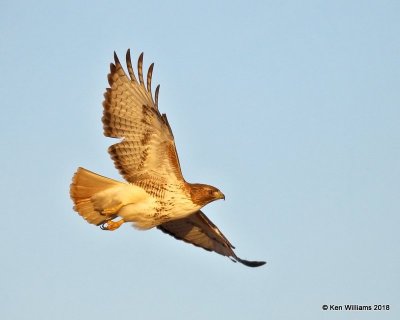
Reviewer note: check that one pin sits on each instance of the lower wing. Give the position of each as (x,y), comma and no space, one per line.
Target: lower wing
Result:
(198,230)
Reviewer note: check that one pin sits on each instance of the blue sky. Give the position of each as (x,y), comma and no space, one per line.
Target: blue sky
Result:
(291,108)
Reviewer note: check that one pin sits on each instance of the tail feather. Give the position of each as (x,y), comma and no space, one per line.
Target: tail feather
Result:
(84,185)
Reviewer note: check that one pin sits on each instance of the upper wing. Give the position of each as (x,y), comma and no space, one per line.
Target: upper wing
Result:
(147,153)
(197,229)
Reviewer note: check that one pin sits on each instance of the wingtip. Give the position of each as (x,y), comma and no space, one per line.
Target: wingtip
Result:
(252,264)
(140,70)
(151,67)
(128,56)
(149,76)
(116,59)
(156,96)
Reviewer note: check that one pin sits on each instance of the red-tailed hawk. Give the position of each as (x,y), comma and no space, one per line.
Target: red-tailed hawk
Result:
(156,194)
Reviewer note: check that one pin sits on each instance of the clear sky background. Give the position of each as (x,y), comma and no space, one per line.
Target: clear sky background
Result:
(291,108)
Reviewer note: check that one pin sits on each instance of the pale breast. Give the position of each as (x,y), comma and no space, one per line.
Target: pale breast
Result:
(151,211)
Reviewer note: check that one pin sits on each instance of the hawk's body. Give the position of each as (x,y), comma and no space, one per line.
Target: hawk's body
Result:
(156,194)
(131,202)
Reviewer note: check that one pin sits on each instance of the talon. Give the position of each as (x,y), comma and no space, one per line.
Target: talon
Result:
(111,225)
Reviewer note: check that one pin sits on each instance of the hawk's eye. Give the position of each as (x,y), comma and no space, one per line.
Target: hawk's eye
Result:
(210,192)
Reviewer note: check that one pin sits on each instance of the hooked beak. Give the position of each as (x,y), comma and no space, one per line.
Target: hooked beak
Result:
(220,195)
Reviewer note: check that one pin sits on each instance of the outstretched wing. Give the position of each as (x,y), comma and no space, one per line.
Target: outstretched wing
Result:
(197,229)
(147,154)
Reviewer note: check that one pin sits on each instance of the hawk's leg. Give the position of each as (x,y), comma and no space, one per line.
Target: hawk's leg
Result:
(112,210)
(111,225)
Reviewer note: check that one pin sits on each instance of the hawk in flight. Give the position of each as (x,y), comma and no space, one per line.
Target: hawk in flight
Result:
(156,194)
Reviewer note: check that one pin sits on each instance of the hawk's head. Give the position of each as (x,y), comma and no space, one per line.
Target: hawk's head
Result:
(203,194)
